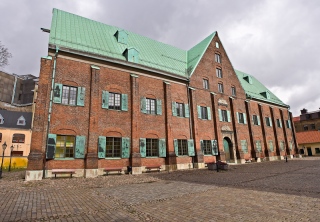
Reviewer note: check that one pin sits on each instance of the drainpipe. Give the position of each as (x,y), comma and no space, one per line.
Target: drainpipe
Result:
(190,116)
(14,89)
(50,109)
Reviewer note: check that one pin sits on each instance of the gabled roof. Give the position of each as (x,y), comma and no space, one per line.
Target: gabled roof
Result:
(11,119)
(257,90)
(308,137)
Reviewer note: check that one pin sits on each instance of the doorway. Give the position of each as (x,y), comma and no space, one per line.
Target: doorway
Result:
(228,150)
(309,151)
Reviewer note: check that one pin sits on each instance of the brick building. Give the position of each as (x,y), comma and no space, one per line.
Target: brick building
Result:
(108,97)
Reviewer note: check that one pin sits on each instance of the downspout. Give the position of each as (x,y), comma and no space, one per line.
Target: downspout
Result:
(14,90)
(50,109)
(190,116)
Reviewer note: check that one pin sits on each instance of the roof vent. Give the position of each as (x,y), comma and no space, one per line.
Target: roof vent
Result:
(266,94)
(122,36)
(132,55)
(21,121)
(248,79)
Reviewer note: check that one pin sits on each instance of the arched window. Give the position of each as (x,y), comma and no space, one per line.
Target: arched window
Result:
(18,138)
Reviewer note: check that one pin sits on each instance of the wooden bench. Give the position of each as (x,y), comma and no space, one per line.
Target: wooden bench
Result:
(156,167)
(63,171)
(113,169)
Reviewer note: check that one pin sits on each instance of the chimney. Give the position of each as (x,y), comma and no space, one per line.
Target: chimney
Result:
(303,111)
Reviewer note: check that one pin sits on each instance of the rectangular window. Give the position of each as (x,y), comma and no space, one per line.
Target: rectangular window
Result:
(150,106)
(268,121)
(204,112)
(206,147)
(241,117)
(205,84)
(219,73)
(317,150)
(313,126)
(258,146)
(180,109)
(152,146)
(69,95)
(288,124)
(18,138)
(255,120)
(65,147)
(305,127)
(220,87)
(0,137)
(114,101)
(224,114)
(217,58)
(17,153)
(113,147)
(278,123)
(182,147)
(233,91)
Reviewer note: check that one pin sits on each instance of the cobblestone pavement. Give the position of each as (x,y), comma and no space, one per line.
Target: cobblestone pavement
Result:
(268,191)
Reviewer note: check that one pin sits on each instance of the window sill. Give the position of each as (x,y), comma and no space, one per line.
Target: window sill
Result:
(152,157)
(61,158)
(113,158)
(208,154)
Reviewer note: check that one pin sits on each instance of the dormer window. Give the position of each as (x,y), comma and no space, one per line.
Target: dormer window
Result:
(248,79)
(266,94)
(21,121)
(132,55)
(1,119)
(122,36)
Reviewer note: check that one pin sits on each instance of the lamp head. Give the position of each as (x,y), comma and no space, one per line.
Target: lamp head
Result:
(4,146)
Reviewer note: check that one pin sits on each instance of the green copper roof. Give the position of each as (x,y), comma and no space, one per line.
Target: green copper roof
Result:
(256,89)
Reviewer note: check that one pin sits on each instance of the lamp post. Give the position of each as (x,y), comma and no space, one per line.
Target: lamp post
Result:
(11,148)
(4,146)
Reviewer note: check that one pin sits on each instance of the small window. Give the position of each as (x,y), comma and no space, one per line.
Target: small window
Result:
(279,123)
(317,150)
(21,121)
(255,120)
(204,112)
(271,145)
(17,153)
(18,138)
(258,146)
(219,73)
(114,101)
(182,147)
(241,118)
(313,126)
(233,91)
(0,137)
(288,124)
(180,109)
(224,115)
(305,128)
(217,44)
(268,121)
(206,147)
(150,106)
(220,87)
(205,84)
(65,146)
(308,116)
(217,58)
(69,95)
(152,147)
(113,147)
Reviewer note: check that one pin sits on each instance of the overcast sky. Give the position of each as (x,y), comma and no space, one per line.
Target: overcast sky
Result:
(277,41)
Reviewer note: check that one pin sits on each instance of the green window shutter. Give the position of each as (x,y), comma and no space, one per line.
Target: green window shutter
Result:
(244,118)
(51,146)
(102,147)
(214,145)
(105,99)
(159,107)
(201,146)
(229,118)
(125,147)
(220,115)
(162,148)
(143,105)
(176,150)
(209,113)
(237,117)
(57,93)
(258,120)
(191,148)
(143,147)
(199,111)
(186,111)
(81,96)
(80,147)
(174,109)
(124,102)
(270,121)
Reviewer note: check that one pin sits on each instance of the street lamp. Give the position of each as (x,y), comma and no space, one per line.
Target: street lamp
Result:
(11,148)
(4,146)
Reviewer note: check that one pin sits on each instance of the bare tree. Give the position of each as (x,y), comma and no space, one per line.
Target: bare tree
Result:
(4,55)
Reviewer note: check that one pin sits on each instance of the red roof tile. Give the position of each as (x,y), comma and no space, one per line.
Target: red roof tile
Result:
(308,137)
(296,119)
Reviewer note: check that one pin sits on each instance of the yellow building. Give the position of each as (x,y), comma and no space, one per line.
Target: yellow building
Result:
(309,143)
(15,133)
